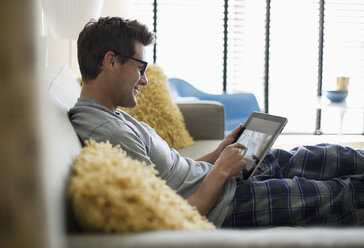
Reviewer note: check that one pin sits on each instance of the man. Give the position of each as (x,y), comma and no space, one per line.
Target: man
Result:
(320,185)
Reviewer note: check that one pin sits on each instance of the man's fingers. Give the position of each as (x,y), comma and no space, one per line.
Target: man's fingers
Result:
(238,145)
(235,134)
(238,128)
(237,131)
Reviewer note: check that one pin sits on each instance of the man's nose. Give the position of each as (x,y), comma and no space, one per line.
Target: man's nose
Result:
(143,80)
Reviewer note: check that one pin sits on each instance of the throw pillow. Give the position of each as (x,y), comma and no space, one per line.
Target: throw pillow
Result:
(156,108)
(111,192)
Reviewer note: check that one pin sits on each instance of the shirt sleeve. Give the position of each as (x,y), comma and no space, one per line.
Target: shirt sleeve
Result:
(131,142)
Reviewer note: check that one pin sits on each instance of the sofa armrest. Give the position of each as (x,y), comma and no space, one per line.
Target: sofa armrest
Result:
(205,120)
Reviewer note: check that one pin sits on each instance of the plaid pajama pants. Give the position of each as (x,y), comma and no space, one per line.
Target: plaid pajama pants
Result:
(309,185)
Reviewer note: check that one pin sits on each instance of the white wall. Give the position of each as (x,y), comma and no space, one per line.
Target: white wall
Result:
(58,50)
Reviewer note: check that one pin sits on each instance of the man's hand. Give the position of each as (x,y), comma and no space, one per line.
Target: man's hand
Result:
(231,161)
(228,140)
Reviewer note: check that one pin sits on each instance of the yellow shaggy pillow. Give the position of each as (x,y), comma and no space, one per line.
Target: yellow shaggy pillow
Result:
(156,108)
(111,192)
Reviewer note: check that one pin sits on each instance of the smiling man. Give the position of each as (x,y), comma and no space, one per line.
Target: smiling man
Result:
(112,63)
(318,185)
(120,72)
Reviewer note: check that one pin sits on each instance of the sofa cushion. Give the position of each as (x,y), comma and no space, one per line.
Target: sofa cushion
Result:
(156,108)
(199,148)
(111,192)
(60,143)
(62,85)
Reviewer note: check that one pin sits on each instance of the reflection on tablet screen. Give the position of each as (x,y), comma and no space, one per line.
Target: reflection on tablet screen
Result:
(255,143)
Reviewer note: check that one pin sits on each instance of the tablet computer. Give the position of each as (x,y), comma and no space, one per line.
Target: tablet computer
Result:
(259,134)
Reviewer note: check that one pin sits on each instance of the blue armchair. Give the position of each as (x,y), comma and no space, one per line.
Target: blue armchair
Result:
(237,106)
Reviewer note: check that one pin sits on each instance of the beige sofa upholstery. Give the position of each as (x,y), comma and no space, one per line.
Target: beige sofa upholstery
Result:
(204,119)
(205,123)
(63,146)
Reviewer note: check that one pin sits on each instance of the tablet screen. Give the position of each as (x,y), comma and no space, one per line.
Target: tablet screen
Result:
(261,130)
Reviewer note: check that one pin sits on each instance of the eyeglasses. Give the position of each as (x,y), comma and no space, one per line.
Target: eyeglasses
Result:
(144,64)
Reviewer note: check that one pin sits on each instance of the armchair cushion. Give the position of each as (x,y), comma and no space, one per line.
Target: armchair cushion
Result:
(237,106)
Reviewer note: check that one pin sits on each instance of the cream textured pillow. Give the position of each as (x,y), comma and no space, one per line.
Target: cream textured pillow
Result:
(156,108)
(111,192)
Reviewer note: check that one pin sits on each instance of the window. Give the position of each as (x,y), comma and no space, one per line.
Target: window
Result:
(143,11)
(190,41)
(344,56)
(190,45)
(293,60)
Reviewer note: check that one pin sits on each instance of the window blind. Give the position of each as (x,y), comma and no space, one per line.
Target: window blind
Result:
(246,34)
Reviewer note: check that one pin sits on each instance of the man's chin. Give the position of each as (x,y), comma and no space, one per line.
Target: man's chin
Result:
(130,105)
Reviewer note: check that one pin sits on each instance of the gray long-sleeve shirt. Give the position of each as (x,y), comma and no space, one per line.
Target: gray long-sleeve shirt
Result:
(92,120)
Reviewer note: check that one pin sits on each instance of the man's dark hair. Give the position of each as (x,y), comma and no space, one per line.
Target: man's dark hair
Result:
(108,34)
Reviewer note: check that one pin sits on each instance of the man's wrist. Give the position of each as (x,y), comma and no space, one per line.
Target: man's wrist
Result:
(219,173)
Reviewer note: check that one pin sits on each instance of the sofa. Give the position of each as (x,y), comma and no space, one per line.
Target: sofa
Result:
(63,146)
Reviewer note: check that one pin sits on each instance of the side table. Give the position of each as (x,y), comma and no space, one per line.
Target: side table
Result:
(342,107)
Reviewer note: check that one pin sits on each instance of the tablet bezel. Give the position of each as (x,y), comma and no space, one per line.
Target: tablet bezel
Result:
(282,121)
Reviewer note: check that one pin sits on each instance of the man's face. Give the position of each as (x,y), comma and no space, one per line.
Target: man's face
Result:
(128,79)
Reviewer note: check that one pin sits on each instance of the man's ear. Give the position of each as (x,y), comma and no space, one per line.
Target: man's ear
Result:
(109,61)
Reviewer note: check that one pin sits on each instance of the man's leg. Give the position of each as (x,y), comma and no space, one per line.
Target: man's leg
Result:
(316,185)
(320,162)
